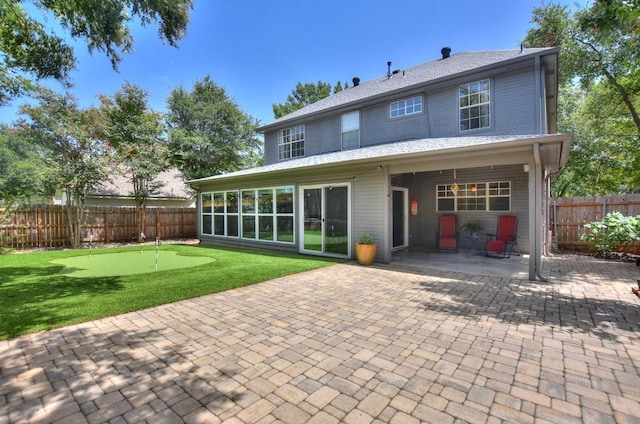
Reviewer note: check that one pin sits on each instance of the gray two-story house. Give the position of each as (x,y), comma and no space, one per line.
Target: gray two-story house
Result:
(470,134)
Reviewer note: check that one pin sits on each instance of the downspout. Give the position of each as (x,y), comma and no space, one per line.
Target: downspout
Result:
(538,208)
(547,217)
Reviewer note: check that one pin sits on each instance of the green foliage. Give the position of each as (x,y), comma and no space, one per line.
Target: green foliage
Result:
(604,158)
(367,239)
(473,227)
(599,93)
(29,48)
(69,137)
(133,130)
(24,171)
(208,133)
(304,95)
(614,230)
(35,295)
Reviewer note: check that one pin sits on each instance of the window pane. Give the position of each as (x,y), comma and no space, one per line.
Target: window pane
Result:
(445,204)
(206,203)
(206,224)
(351,140)
(249,227)
(249,201)
(218,225)
(232,226)
(265,224)
(284,200)
(265,201)
(285,228)
(218,202)
(499,204)
(350,121)
(232,202)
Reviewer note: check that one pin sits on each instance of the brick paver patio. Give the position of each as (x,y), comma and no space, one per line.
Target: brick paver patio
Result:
(349,344)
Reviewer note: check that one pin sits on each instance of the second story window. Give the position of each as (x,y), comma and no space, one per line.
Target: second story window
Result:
(350,130)
(474,105)
(291,142)
(406,107)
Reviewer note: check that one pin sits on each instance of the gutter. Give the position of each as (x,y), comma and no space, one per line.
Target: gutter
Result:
(500,142)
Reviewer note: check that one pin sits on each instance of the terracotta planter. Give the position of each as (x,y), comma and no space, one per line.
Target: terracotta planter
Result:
(365,253)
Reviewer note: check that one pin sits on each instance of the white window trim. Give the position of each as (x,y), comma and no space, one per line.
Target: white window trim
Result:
(351,130)
(287,145)
(461,108)
(465,187)
(205,214)
(274,214)
(404,107)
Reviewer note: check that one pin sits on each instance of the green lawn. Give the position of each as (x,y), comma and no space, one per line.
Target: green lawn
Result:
(38,292)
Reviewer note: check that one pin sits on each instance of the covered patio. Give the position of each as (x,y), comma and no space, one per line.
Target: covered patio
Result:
(471,262)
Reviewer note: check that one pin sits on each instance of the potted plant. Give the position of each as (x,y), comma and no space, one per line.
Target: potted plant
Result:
(473,227)
(366,250)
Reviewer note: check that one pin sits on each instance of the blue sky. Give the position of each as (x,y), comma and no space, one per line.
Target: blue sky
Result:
(259,50)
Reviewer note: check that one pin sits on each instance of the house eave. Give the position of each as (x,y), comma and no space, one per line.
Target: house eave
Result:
(414,150)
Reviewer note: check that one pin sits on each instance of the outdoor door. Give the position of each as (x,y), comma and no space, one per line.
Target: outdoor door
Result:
(325,220)
(400,217)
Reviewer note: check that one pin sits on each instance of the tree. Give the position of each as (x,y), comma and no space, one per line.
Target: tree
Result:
(208,133)
(133,130)
(78,155)
(304,95)
(25,173)
(29,48)
(599,72)
(591,50)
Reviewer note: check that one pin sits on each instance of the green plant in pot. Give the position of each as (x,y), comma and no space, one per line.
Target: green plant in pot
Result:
(366,249)
(473,228)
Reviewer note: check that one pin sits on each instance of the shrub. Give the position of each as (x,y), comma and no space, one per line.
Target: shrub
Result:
(615,229)
(367,239)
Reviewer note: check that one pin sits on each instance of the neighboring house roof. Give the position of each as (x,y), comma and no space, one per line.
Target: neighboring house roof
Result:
(429,72)
(410,148)
(120,186)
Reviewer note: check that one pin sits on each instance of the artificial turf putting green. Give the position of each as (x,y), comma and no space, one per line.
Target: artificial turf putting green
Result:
(126,263)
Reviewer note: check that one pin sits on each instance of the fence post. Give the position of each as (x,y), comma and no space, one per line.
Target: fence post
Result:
(39,227)
(604,207)
(106,226)
(158,223)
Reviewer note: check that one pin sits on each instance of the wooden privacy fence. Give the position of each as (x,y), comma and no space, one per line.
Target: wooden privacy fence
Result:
(569,214)
(48,225)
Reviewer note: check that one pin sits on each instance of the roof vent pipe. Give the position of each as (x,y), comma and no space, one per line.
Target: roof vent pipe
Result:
(446,52)
(356,81)
(388,69)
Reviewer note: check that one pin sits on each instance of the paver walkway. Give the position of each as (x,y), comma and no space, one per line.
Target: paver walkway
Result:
(349,344)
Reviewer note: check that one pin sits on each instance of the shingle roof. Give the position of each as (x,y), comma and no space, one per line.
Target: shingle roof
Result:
(120,186)
(428,72)
(383,152)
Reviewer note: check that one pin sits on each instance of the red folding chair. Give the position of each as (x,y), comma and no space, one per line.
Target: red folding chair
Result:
(447,236)
(504,243)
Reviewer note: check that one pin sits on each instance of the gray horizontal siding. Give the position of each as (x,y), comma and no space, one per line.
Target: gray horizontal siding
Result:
(368,213)
(513,113)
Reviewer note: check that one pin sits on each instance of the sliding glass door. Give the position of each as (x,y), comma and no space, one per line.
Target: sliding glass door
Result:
(325,219)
